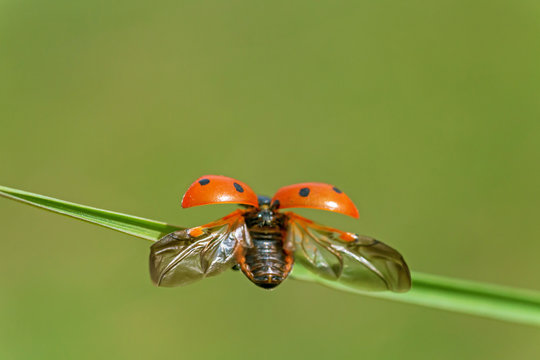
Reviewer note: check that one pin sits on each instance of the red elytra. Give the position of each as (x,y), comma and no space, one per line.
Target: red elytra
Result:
(316,196)
(214,189)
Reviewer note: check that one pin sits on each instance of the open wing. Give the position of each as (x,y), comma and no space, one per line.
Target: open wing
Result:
(360,261)
(185,256)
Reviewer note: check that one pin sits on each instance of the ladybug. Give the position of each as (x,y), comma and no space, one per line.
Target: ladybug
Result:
(264,242)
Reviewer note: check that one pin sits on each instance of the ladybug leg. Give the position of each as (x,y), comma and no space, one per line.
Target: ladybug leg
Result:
(242,265)
(289,262)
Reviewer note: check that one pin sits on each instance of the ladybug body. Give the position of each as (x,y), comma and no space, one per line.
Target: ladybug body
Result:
(265,242)
(267,263)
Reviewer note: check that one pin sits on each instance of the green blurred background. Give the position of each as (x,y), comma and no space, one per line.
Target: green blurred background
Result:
(426,113)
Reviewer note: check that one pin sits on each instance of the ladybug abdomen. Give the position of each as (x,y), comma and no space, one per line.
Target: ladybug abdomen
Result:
(267,263)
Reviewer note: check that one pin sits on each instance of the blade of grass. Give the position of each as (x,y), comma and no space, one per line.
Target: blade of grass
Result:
(462,296)
(474,298)
(132,225)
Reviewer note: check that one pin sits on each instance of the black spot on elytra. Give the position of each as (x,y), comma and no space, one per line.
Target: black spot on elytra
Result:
(337,190)
(276,204)
(238,187)
(204,182)
(304,192)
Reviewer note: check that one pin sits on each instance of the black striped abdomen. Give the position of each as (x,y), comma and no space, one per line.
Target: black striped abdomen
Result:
(266,264)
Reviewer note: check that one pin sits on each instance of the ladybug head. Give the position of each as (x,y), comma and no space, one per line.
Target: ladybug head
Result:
(263,200)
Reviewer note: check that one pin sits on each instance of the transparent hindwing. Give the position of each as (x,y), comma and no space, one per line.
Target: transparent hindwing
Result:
(356,260)
(185,256)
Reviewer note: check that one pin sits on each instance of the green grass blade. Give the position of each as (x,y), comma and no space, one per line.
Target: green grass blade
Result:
(462,296)
(491,301)
(132,225)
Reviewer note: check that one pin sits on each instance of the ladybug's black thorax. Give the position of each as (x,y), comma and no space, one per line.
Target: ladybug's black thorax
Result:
(266,263)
